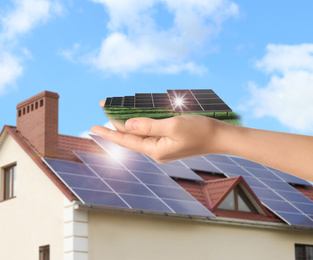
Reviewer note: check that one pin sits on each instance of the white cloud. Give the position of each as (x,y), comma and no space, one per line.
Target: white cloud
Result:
(85,134)
(21,19)
(10,70)
(135,43)
(288,96)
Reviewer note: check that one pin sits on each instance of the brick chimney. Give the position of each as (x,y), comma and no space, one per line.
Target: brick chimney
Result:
(37,121)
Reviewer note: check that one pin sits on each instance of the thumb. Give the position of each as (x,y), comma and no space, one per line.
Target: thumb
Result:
(146,126)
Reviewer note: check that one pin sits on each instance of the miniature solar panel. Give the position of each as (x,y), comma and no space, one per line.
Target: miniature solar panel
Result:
(108,102)
(116,101)
(202,91)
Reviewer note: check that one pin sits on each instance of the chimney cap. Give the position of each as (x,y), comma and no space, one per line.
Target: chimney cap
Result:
(36,97)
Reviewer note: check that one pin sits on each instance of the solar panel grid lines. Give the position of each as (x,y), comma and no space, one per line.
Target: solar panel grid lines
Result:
(201,165)
(287,177)
(159,188)
(127,188)
(196,100)
(108,102)
(76,190)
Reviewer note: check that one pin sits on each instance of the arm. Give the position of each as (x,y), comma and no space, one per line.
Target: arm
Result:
(187,136)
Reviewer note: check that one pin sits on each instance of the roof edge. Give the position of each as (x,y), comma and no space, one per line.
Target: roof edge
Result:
(36,158)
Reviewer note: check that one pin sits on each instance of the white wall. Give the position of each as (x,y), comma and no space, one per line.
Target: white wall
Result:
(119,237)
(35,217)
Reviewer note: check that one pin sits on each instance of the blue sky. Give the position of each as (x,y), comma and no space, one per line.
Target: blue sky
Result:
(256,55)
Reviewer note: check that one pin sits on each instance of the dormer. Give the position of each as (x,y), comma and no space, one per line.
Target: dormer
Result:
(233,197)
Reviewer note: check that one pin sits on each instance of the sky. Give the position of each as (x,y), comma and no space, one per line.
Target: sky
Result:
(256,55)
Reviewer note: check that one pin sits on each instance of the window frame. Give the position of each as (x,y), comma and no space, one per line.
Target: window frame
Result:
(237,192)
(303,247)
(44,250)
(12,173)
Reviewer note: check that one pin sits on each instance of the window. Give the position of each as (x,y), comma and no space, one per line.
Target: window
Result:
(238,201)
(44,252)
(304,252)
(8,182)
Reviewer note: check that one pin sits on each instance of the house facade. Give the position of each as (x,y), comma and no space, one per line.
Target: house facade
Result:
(42,218)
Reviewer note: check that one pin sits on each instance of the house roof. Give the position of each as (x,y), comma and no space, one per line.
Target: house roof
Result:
(209,193)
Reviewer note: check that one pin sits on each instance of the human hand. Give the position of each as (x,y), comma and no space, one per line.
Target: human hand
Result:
(168,139)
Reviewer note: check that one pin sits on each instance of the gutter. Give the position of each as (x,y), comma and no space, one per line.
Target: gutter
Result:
(198,219)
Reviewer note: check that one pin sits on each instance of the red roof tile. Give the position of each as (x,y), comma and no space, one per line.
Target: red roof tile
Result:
(217,190)
(305,190)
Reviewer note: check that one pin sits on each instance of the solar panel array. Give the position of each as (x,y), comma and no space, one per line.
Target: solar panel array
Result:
(190,100)
(130,180)
(133,184)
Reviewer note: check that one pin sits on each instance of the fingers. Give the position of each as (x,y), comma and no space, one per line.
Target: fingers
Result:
(102,102)
(130,141)
(147,126)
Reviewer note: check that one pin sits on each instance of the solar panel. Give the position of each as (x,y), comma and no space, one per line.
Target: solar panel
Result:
(140,194)
(155,179)
(296,219)
(82,182)
(262,173)
(108,102)
(101,198)
(179,172)
(202,91)
(200,165)
(289,178)
(219,158)
(216,108)
(69,167)
(116,101)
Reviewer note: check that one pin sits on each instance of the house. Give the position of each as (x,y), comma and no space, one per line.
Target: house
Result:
(43,214)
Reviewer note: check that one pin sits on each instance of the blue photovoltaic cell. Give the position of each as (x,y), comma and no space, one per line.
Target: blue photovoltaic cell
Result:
(96,159)
(280,206)
(304,207)
(247,163)
(265,193)
(201,165)
(179,172)
(130,188)
(188,207)
(296,219)
(171,193)
(141,166)
(262,174)
(253,182)
(146,203)
(175,163)
(114,174)
(278,185)
(69,167)
(155,179)
(289,178)
(77,181)
(294,197)
(219,158)
(232,169)
(100,198)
